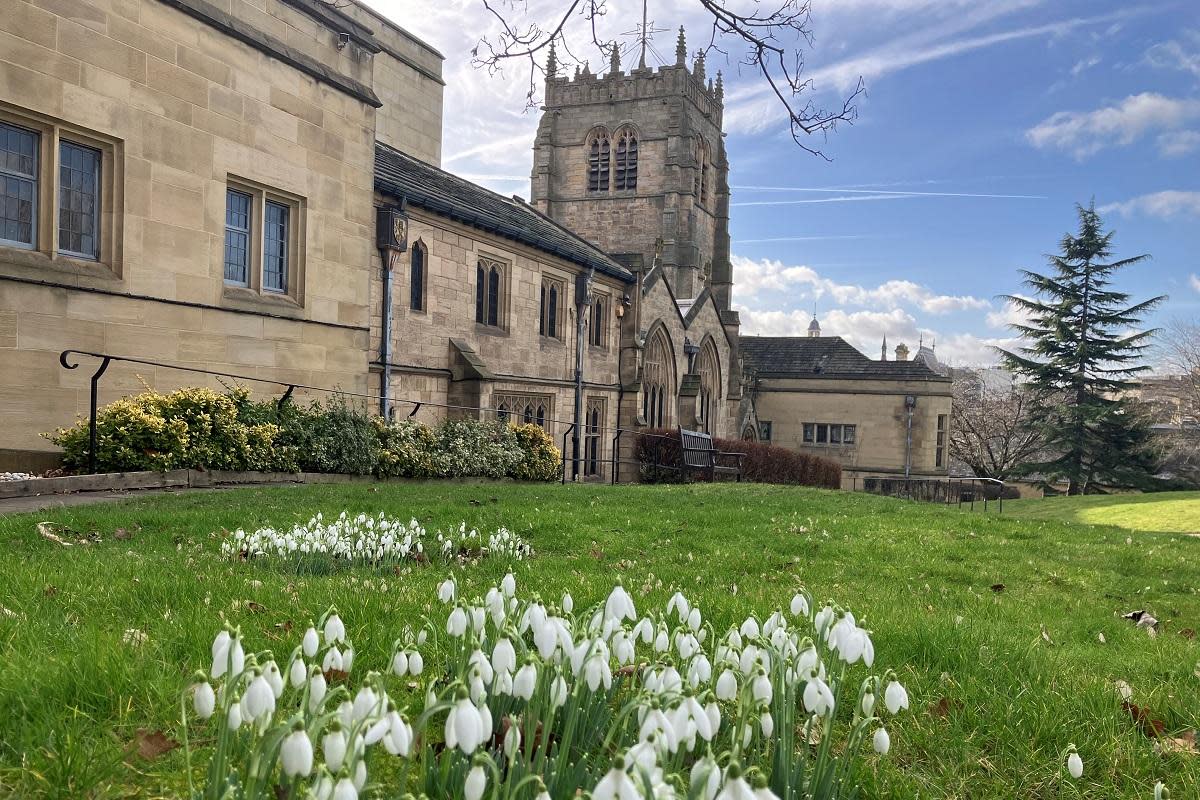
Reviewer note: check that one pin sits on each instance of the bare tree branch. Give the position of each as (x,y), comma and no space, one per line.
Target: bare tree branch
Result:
(770,37)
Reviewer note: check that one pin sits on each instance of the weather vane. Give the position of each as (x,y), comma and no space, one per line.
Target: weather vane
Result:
(643,34)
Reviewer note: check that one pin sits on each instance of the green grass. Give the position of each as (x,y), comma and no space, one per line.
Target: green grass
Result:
(72,695)
(1174,512)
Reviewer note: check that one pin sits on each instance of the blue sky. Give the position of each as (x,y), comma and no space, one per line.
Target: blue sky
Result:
(982,124)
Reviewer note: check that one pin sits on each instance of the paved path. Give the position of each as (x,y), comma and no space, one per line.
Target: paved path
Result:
(20,505)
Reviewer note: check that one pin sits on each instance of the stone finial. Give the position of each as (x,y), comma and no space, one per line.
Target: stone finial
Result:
(698,65)
(614,66)
(576,72)
(551,62)
(681,49)
(587,69)
(720,88)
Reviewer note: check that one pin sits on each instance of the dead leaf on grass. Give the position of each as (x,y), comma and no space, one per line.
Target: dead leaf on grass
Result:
(152,744)
(52,531)
(1187,633)
(256,608)
(336,676)
(942,707)
(998,587)
(49,590)
(1150,725)
(122,534)
(1184,743)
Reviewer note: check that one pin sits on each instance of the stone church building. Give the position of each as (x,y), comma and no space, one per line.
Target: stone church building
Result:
(254,187)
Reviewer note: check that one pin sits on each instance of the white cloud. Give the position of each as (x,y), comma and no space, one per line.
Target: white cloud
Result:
(1178,143)
(867,329)
(1084,64)
(754,278)
(1083,133)
(1174,54)
(1010,314)
(1194,280)
(1164,205)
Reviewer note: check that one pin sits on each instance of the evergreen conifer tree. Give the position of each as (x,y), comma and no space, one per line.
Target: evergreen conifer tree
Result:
(1081,359)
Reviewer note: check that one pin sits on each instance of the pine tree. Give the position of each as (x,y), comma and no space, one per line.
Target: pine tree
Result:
(1081,361)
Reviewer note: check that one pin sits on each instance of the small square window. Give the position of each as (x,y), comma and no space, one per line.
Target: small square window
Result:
(237,237)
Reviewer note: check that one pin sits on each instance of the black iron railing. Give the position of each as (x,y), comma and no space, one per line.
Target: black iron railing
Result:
(947,491)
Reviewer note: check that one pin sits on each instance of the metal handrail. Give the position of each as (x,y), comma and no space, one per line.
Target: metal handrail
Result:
(106,359)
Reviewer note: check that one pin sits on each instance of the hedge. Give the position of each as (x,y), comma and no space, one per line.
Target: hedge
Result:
(763,463)
(204,429)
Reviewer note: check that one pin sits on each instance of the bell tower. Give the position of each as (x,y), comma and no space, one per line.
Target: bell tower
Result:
(627,158)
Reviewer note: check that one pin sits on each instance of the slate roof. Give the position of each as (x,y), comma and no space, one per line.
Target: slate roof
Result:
(823,356)
(435,190)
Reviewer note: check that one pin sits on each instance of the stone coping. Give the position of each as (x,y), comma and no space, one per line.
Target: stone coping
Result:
(171,479)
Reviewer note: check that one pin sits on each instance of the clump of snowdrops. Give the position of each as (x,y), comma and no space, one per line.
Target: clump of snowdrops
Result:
(536,700)
(374,540)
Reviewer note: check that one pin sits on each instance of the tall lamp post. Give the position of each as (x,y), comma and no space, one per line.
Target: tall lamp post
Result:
(583,301)
(391,237)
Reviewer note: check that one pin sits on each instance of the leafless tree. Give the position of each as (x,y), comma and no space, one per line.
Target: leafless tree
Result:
(990,432)
(769,37)
(1175,399)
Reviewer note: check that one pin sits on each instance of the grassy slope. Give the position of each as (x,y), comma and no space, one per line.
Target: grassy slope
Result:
(1177,512)
(72,694)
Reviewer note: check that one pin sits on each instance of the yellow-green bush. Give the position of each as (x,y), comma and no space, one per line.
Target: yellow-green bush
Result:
(406,449)
(540,460)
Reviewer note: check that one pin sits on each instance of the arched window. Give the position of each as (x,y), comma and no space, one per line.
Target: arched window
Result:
(598,161)
(749,434)
(625,173)
(700,186)
(416,278)
(709,369)
(658,381)
(502,412)
(553,293)
(599,322)
(593,425)
(488,282)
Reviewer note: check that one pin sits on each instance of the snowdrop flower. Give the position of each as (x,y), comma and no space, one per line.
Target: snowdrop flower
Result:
(868,703)
(512,739)
(447,591)
(693,619)
(322,788)
(749,628)
(366,703)
(335,631)
(525,681)
(799,607)
(274,678)
(504,656)
(310,643)
(316,689)
(727,685)
(822,619)
(416,664)
(558,692)
(735,787)
(882,742)
(761,689)
(398,739)
(767,724)
(1074,763)
(400,664)
(333,745)
(296,753)
(761,790)
(456,625)
(818,699)
(259,700)
(348,657)
(679,605)
(227,655)
(234,718)
(619,605)
(360,774)
(464,727)
(568,603)
(508,584)
(345,790)
(895,697)
(334,662)
(297,673)
(476,782)
(204,699)
(616,784)
(1160,792)
(705,779)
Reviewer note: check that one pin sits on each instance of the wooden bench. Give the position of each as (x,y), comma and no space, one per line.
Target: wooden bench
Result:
(700,455)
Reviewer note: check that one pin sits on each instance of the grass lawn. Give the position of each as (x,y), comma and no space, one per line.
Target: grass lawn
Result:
(1177,512)
(1001,680)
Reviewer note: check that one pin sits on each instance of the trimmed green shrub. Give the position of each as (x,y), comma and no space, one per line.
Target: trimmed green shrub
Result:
(762,463)
(204,429)
(540,460)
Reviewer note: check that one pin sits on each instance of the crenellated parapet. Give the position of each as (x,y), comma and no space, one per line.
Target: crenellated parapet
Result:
(615,85)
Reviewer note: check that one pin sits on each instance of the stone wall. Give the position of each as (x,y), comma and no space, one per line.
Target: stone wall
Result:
(179,107)
(875,407)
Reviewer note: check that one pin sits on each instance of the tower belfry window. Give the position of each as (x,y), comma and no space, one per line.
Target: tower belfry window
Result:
(625,176)
(598,163)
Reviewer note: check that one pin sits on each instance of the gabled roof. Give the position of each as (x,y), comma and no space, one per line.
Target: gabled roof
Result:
(823,357)
(425,186)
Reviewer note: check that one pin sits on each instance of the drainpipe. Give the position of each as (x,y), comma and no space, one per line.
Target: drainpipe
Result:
(910,402)
(583,299)
(385,337)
